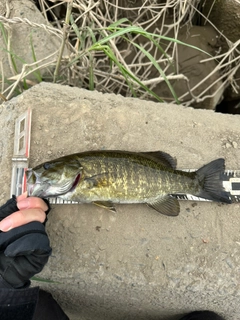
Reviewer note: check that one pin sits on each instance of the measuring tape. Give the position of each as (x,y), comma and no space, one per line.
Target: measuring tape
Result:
(20,160)
(231,184)
(21,153)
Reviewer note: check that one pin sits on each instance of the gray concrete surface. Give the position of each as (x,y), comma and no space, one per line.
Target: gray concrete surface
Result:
(135,264)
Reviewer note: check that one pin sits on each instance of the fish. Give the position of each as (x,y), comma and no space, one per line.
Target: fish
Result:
(111,177)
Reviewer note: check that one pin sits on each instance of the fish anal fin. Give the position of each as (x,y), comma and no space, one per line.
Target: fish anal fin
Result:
(166,205)
(164,158)
(106,205)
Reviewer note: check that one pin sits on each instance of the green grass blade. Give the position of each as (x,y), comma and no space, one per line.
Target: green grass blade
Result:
(118,33)
(25,86)
(117,23)
(36,73)
(91,73)
(180,42)
(15,57)
(75,27)
(17,91)
(128,74)
(160,49)
(156,65)
(5,38)
(91,33)
(112,59)
(3,34)
(83,35)
(139,30)
(39,279)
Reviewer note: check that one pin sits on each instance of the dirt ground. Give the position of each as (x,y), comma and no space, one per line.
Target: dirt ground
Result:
(135,264)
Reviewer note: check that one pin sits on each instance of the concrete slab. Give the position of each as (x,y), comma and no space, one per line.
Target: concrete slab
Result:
(135,264)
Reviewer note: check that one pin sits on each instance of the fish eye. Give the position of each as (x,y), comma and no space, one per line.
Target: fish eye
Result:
(46,165)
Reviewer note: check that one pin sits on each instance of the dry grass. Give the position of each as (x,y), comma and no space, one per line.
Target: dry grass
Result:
(109,56)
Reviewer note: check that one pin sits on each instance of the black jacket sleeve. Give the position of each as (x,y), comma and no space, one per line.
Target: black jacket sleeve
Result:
(47,308)
(22,254)
(18,304)
(29,304)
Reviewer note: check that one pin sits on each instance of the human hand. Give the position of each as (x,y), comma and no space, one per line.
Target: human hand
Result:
(24,248)
(21,210)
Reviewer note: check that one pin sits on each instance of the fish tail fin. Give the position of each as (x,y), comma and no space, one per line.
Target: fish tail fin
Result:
(210,179)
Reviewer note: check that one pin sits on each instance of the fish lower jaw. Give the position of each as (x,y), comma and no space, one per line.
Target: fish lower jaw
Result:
(36,190)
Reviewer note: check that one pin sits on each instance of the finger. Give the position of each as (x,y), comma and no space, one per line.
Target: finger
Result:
(22,196)
(22,217)
(32,202)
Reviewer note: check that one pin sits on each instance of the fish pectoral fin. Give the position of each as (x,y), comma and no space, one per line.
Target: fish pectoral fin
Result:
(106,205)
(97,181)
(166,205)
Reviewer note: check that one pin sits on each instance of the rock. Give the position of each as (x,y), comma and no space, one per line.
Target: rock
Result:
(190,65)
(225,15)
(23,37)
(202,77)
(134,264)
(235,145)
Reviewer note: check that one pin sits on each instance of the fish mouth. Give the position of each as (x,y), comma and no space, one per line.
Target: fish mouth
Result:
(36,188)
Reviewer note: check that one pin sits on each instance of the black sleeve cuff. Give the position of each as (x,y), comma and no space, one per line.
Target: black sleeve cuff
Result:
(48,204)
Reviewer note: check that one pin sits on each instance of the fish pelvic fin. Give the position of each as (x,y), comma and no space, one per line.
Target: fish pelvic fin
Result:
(106,205)
(210,180)
(166,205)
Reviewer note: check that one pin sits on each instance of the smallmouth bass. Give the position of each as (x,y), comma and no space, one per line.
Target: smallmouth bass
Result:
(108,177)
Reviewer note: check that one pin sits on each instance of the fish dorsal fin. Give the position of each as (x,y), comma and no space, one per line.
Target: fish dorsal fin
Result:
(162,157)
(166,205)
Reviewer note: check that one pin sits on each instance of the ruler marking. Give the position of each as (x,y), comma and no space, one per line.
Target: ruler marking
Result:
(21,153)
(236,186)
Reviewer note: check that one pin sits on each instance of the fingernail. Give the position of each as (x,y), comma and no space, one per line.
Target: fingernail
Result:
(6,224)
(24,204)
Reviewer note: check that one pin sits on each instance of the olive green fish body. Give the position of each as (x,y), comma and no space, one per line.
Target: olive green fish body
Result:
(106,177)
(127,180)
